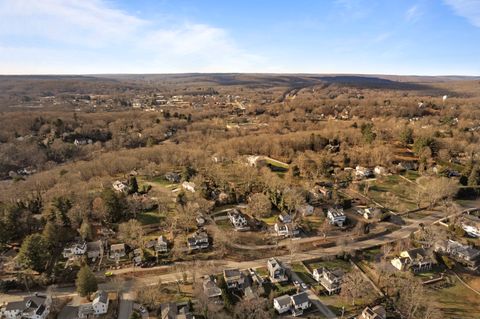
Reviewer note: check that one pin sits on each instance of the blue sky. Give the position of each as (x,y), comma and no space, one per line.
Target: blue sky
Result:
(431,37)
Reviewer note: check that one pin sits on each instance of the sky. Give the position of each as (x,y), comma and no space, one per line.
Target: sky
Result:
(406,37)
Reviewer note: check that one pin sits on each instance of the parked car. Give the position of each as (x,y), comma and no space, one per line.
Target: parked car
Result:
(108,274)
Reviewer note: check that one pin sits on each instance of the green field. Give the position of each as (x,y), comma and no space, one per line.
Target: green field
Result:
(331,264)
(151,217)
(393,192)
(300,270)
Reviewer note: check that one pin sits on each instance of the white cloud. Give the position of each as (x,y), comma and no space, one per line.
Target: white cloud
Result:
(91,36)
(413,13)
(469,9)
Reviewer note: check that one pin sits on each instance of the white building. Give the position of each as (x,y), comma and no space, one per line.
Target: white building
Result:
(296,304)
(120,186)
(32,307)
(75,250)
(336,216)
(189,186)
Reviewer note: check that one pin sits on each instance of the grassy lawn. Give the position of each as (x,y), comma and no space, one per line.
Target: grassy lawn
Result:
(411,175)
(303,274)
(270,220)
(393,192)
(151,217)
(458,301)
(262,271)
(337,303)
(331,264)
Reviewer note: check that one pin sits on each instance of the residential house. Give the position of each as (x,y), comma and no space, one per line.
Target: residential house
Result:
(210,287)
(464,254)
(371,212)
(32,307)
(94,249)
(331,280)
(296,304)
(75,250)
(336,216)
(238,220)
(117,251)
(120,186)
(306,210)
(198,240)
(416,260)
(377,312)
(277,272)
(234,278)
(173,310)
(189,186)
(282,304)
(285,218)
(99,306)
(286,230)
(161,245)
(300,303)
(471,225)
(380,171)
(82,141)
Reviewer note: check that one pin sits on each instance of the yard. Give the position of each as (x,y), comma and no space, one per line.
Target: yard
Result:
(330,264)
(150,217)
(458,301)
(300,270)
(393,192)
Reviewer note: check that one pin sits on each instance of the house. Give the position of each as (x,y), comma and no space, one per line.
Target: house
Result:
(173,177)
(210,287)
(377,312)
(416,260)
(32,307)
(306,210)
(198,240)
(117,251)
(276,271)
(285,218)
(99,306)
(120,186)
(75,250)
(471,225)
(331,280)
(336,216)
(238,220)
(286,230)
(296,304)
(200,221)
(189,186)
(161,245)
(173,310)
(94,249)
(234,278)
(300,303)
(363,172)
(464,254)
(137,256)
(282,304)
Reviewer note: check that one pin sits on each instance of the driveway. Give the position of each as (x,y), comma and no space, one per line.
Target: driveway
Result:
(125,308)
(324,310)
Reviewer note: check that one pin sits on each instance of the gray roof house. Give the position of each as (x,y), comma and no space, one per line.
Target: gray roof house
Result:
(331,280)
(296,304)
(210,287)
(32,307)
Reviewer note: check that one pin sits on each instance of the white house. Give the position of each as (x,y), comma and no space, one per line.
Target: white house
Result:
(276,271)
(285,218)
(32,307)
(331,280)
(296,304)
(282,304)
(285,230)
(161,245)
(238,220)
(75,250)
(415,259)
(100,303)
(120,186)
(471,230)
(380,171)
(189,186)
(377,312)
(336,216)
(199,240)
(363,172)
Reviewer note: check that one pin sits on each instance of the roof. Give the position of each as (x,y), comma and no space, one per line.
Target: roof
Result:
(16,305)
(283,301)
(229,273)
(94,245)
(300,298)
(101,296)
(68,312)
(117,247)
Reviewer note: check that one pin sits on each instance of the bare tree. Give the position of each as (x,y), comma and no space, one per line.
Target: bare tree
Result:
(354,286)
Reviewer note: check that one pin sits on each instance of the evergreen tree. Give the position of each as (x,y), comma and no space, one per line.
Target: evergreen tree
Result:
(33,253)
(86,282)
(133,185)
